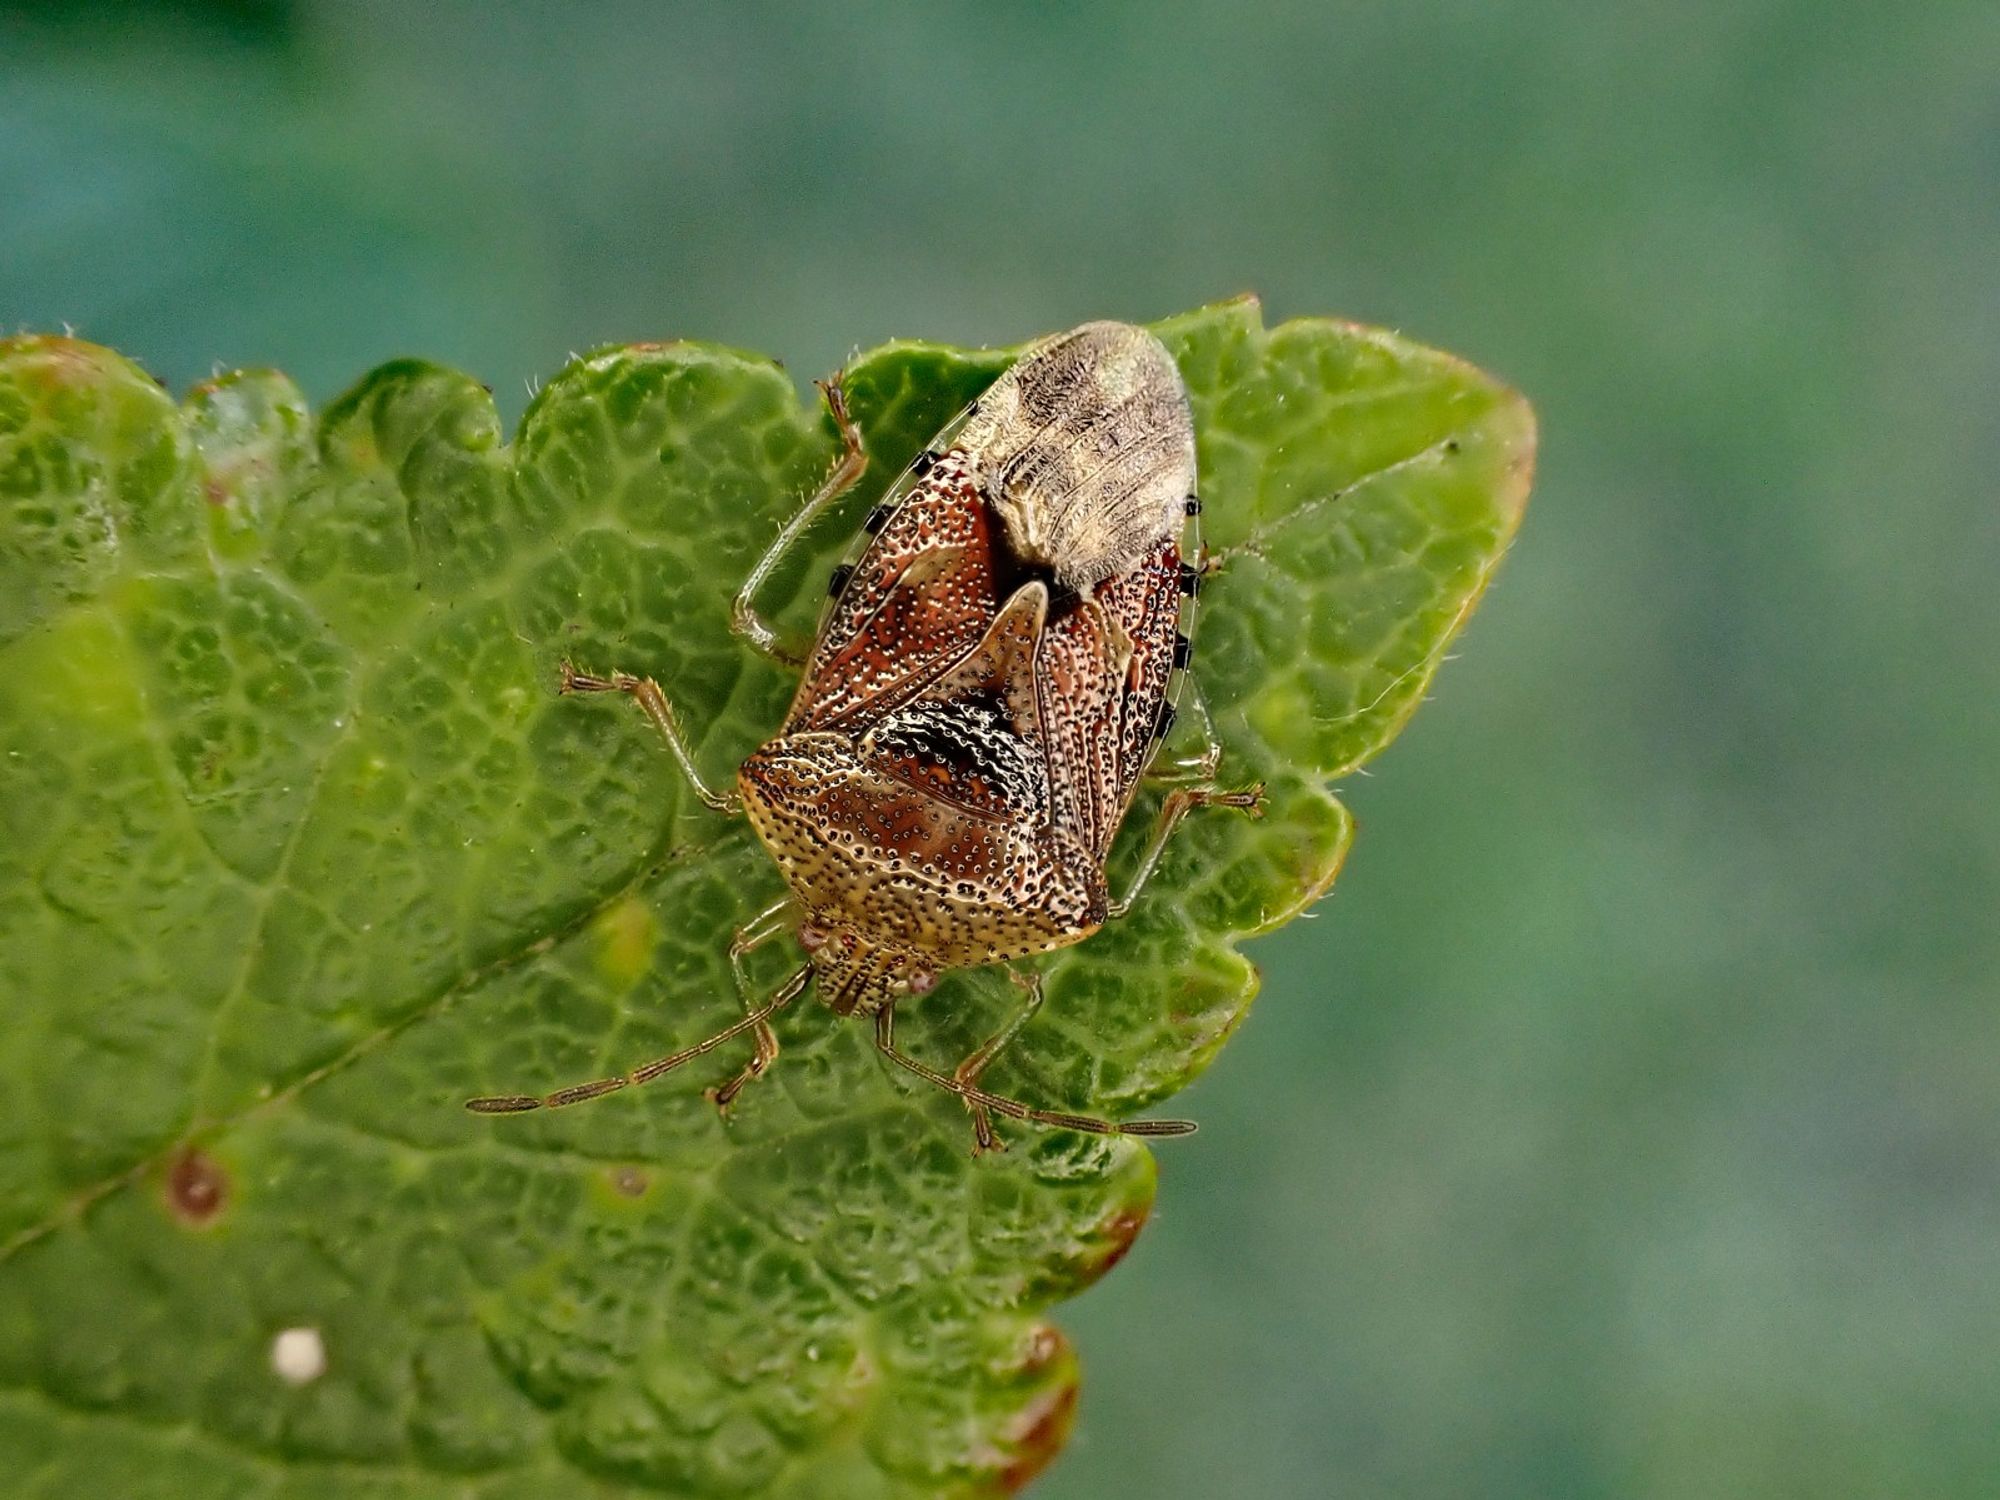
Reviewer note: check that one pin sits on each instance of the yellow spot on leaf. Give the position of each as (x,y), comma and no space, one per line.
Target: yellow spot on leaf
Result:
(78,671)
(625,938)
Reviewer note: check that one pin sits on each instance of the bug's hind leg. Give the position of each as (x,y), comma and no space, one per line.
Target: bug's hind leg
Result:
(751,936)
(843,476)
(967,1072)
(647,694)
(1180,802)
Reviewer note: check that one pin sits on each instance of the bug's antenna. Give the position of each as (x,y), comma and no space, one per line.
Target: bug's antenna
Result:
(1014,1109)
(576,1093)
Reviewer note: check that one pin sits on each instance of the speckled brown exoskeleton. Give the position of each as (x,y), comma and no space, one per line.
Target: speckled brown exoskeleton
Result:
(987,688)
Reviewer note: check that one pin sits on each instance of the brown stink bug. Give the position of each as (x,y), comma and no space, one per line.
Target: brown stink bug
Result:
(987,688)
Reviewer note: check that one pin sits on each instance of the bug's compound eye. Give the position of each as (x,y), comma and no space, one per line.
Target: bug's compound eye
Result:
(920,981)
(811,938)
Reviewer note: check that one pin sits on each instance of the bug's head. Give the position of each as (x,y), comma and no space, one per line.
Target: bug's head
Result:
(854,973)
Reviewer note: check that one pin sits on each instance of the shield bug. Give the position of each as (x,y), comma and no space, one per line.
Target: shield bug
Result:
(989,684)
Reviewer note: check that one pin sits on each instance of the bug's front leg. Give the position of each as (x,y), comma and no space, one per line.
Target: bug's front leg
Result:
(751,936)
(967,1072)
(647,694)
(1180,802)
(843,476)
(1013,1109)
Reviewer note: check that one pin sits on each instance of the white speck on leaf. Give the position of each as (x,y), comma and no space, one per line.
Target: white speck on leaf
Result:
(298,1356)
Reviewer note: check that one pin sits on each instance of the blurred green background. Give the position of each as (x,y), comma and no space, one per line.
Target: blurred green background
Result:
(1625,1124)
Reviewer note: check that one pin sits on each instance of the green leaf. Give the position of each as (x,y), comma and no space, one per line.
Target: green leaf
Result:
(299,848)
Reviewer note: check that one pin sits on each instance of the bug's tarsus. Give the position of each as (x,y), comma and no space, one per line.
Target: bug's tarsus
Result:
(1013,1109)
(722,1095)
(653,701)
(577,1093)
(843,476)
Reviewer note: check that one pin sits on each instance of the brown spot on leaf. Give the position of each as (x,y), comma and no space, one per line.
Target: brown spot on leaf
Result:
(1101,1245)
(1115,1235)
(66,362)
(1039,1430)
(629,1182)
(1043,1346)
(197,1188)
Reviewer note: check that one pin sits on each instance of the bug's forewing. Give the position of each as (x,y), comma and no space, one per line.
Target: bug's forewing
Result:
(1086,448)
(1080,680)
(1104,680)
(1147,605)
(1146,601)
(919,598)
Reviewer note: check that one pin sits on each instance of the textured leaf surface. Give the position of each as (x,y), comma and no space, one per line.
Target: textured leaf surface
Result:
(299,848)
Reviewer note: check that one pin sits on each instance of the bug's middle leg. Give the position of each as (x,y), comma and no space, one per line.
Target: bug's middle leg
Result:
(1180,802)
(1192,770)
(843,476)
(653,702)
(751,936)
